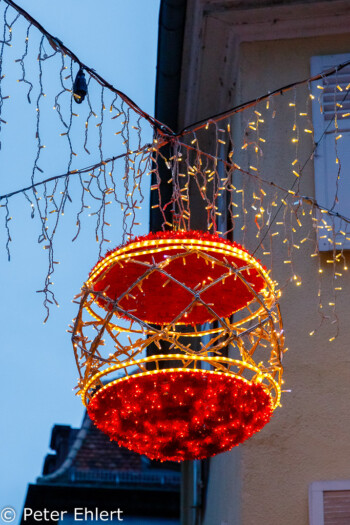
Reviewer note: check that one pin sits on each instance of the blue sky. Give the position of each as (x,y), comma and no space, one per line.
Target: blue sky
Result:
(119,40)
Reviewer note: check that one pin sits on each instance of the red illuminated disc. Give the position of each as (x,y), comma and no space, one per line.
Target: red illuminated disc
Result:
(157,298)
(181,415)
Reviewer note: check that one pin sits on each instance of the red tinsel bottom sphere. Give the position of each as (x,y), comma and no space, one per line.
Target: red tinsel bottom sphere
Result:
(180,415)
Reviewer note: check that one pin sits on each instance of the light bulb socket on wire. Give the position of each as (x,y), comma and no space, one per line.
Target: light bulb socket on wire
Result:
(79,87)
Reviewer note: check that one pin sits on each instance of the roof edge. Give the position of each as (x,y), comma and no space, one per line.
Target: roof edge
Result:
(172,16)
(71,454)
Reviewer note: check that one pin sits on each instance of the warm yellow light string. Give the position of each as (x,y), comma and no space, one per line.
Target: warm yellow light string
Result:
(202,168)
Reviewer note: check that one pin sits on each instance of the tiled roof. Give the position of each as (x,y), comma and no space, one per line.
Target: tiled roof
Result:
(87,455)
(98,452)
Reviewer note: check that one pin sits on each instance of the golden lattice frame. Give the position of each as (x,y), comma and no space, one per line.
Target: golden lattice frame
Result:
(248,345)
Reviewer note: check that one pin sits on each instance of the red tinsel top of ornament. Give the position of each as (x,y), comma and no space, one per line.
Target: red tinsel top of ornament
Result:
(183,415)
(166,291)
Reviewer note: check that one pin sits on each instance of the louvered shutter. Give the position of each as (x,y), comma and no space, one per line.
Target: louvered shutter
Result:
(329,502)
(331,120)
(336,507)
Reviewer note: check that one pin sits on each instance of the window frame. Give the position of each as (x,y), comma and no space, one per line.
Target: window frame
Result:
(316,490)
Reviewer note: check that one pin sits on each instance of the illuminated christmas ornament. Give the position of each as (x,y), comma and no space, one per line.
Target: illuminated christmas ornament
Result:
(194,338)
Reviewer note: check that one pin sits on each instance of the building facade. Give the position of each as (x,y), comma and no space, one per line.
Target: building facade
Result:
(223,53)
(88,478)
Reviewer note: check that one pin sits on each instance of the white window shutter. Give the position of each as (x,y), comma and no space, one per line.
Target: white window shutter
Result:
(334,101)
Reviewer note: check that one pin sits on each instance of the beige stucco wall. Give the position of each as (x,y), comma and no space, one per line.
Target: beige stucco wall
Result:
(307,439)
(266,479)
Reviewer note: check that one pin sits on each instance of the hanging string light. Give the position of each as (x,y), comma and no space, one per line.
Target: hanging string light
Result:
(276,210)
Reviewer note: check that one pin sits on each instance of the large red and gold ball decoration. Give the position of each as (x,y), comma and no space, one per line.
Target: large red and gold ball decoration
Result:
(178,342)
